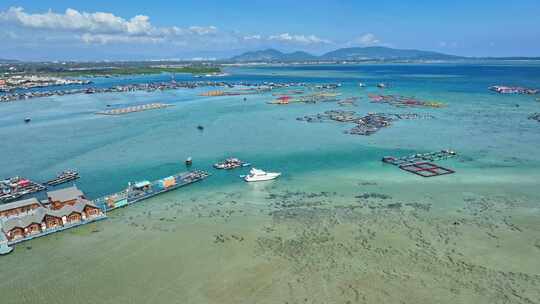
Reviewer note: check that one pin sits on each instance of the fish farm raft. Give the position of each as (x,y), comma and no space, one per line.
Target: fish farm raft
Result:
(365,125)
(422,163)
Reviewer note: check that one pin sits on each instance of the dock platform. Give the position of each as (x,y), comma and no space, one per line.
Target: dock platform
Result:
(134,109)
(144,190)
(419,157)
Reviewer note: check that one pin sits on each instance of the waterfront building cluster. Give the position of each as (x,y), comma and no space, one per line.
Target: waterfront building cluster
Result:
(69,207)
(14,82)
(65,208)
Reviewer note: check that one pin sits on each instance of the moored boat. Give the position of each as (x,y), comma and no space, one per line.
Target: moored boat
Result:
(257,175)
(64,177)
(231,163)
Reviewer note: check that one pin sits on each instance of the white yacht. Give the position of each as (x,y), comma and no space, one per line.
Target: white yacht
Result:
(257,175)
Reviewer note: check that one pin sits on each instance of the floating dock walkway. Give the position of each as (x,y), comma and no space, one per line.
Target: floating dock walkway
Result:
(64,177)
(134,109)
(144,190)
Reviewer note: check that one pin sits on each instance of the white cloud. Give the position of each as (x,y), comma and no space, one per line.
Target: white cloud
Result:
(105,39)
(100,27)
(368,39)
(203,30)
(447,44)
(73,20)
(105,31)
(252,37)
(303,39)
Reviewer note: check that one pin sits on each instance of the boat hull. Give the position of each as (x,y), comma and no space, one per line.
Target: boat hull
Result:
(267,177)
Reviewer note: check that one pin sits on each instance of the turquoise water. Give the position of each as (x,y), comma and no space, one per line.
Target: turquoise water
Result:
(487,129)
(165,250)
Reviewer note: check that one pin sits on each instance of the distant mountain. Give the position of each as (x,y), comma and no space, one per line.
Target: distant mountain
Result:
(273,55)
(384,53)
(357,53)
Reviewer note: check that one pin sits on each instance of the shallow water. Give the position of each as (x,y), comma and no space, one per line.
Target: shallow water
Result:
(338,226)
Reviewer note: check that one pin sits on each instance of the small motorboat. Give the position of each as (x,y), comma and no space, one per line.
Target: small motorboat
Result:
(200,127)
(231,163)
(27,119)
(64,177)
(381,85)
(257,175)
(189,161)
(361,84)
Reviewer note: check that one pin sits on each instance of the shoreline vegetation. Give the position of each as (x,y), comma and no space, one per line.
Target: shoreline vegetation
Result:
(104,69)
(134,71)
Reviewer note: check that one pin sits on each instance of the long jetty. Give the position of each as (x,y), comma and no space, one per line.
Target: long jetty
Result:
(144,190)
(134,109)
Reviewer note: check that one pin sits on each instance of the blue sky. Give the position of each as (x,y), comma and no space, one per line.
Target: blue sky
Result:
(187,29)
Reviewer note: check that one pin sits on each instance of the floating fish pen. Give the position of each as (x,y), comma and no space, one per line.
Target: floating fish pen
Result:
(218,93)
(422,163)
(134,109)
(17,187)
(512,90)
(246,91)
(426,169)
(142,190)
(311,99)
(365,125)
(292,92)
(64,177)
(231,163)
(404,101)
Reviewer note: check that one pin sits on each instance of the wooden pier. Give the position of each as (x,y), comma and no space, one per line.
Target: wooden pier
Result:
(134,109)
